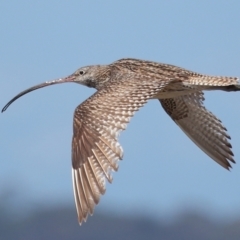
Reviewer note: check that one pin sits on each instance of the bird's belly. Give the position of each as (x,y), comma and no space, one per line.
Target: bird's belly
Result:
(173,94)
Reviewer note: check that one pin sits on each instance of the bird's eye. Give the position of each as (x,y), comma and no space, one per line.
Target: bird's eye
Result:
(81,72)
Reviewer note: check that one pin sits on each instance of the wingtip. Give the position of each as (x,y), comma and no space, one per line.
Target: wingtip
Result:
(228,166)
(82,220)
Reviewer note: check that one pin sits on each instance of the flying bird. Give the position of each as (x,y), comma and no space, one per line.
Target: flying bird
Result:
(123,87)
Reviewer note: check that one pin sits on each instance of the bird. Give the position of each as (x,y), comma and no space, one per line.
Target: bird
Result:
(123,87)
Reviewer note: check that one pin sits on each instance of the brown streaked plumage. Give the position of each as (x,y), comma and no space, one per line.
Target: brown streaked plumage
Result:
(122,88)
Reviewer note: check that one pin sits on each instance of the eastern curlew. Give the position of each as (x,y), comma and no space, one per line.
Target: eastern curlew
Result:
(122,88)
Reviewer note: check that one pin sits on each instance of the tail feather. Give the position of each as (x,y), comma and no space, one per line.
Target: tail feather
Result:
(215,81)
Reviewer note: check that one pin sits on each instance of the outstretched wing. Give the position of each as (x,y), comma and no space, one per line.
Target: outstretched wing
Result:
(201,126)
(97,124)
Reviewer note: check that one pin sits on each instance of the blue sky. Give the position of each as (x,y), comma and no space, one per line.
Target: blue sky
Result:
(163,172)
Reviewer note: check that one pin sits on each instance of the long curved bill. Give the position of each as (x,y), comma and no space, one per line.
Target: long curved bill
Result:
(70,78)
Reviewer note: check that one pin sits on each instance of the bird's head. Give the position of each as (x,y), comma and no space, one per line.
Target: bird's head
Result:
(90,76)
